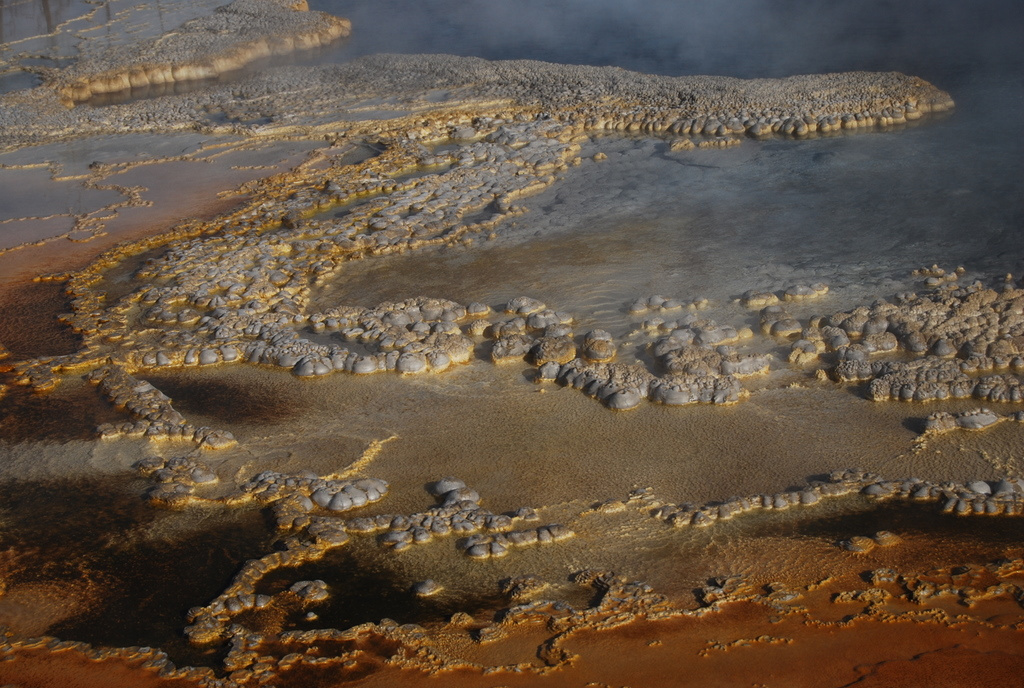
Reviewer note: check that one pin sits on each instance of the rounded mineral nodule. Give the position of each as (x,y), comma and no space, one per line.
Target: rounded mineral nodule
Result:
(524,305)
(979,487)
(445,485)
(859,543)
(885,538)
(624,399)
(426,588)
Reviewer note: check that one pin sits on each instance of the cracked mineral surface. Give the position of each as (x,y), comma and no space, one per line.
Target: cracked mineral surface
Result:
(328,357)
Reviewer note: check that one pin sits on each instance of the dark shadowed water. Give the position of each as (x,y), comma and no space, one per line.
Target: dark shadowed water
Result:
(748,38)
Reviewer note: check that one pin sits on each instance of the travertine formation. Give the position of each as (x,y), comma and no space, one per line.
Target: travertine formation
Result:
(253,287)
(977,497)
(974,419)
(238,614)
(238,290)
(966,342)
(883,596)
(709,110)
(155,418)
(309,509)
(234,36)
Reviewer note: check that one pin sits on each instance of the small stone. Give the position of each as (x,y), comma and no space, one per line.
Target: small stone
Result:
(445,485)
(809,497)
(859,543)
(340,502)
(885,538)
(876,490)
(624,399)
(524,305)
(203,475)
(979,486)
(462,494)
(548,372)
(977,420)
(426,588)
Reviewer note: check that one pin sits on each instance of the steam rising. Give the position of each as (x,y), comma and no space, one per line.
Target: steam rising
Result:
(747,38)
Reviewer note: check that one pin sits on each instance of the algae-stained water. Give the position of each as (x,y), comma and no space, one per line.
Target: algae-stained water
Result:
(857,212)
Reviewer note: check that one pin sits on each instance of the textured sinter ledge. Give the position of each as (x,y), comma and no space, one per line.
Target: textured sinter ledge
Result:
(590,98)
(227,40)
(662,103)
(313,517)
(239,289)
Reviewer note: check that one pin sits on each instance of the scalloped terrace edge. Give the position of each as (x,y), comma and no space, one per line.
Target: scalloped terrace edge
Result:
(255,29)
(590,98)
(713,110)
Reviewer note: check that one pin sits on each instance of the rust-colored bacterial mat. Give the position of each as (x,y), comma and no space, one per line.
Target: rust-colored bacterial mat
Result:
(324,362)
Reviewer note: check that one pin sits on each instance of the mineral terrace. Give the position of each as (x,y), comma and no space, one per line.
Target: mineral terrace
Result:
(419,152)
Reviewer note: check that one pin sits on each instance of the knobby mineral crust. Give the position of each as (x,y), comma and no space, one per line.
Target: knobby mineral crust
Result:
(463,142)
(204,48)
(237,290)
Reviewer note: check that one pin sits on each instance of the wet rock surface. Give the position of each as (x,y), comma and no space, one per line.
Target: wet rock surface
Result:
(964,341)
(466,146)
(716,111)
(227,40)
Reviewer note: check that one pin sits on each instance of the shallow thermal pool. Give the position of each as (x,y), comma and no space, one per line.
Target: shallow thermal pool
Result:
(733,526)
